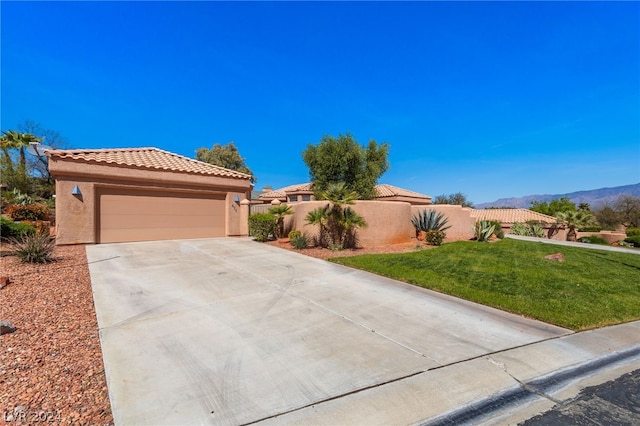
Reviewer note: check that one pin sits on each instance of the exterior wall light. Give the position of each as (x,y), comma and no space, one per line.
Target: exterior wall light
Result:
(76,191)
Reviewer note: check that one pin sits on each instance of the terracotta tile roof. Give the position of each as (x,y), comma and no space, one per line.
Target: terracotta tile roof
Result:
(385,190)
(382,191)
(146,158)
(511,215)
(282,192)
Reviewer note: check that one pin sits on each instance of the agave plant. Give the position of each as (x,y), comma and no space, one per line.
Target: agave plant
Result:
(483,230)
(429,220)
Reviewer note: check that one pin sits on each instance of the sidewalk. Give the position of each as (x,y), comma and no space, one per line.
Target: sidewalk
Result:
(506,387)
(574,244)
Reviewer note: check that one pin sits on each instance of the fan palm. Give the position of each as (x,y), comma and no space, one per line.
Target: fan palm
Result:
(279,212)
(15,140)
(574,220)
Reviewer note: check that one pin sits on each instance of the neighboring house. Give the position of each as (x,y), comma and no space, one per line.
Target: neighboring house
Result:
(507,217)
(304,192)
(140,194)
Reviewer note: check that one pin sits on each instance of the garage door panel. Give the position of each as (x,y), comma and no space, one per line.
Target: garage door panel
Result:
(129,215)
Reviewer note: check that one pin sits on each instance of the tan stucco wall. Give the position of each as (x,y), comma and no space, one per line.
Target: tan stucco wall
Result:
(608,236)
(382,218)
(459,218)
(76,216)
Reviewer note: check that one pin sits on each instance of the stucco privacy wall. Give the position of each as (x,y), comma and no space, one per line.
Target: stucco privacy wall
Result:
(389,222)
(77,215)
(459,218)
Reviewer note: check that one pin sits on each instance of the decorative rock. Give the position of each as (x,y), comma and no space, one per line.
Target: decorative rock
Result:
(556,256)
(4,281)
(6,327)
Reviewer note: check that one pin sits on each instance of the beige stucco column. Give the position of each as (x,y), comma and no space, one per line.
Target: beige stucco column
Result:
(244,217)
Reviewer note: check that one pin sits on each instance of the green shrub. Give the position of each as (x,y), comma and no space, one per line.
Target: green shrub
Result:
(594,239)
(262,225)
(10,229)
(429,220)
(28,212)
(635,240)
(632,232)
(36,247)
(483,230)
(498,232)
(527,230)
(434,238)
(293,234)
(299,241)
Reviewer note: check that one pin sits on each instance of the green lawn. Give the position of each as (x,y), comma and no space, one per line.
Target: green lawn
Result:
(592,288)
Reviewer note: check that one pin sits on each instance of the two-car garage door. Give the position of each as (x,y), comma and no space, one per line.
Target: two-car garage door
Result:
(146,215)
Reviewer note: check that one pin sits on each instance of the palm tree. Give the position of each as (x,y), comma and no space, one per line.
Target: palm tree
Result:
(574,220)
(350,221)
(279,212)
(338,195)
(319,217)
(12,139)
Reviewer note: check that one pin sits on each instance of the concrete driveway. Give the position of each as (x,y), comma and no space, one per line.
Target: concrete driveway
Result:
(230,331)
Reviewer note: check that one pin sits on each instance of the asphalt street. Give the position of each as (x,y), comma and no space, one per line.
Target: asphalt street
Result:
(616,402)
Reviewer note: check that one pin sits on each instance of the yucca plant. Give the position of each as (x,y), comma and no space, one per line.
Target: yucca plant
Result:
(483,230)
(429,220)
(34,247)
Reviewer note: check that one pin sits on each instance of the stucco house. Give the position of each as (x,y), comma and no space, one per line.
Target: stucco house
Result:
(140,194)
(304,192)
(507,217)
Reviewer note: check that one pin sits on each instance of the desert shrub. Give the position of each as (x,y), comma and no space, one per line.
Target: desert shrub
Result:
(10,229)
(498,232)
(429,220)
(294,233)
(527,230)
(28,212)
(262,225)
(632,232)
(483,230)
(635,240)
(434,238)
(35,247)
(299,241)
(594,239)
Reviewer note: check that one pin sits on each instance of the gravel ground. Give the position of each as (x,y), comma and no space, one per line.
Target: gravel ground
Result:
(323,253)
(51,368)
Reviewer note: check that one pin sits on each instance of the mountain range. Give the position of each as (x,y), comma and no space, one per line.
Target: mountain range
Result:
(595,197)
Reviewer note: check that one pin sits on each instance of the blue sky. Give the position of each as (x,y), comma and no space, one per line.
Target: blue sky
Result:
(492,99)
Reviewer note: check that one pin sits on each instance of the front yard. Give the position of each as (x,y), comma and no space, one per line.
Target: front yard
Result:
(591,288)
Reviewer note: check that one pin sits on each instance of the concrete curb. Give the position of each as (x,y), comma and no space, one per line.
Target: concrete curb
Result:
(501,388)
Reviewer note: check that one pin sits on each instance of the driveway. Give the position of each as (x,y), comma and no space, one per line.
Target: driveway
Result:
(230,331)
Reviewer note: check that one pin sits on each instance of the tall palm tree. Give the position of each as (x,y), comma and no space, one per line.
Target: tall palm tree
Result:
(574,220)
(12,139)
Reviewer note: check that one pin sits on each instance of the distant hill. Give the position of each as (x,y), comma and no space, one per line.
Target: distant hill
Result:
(594,197)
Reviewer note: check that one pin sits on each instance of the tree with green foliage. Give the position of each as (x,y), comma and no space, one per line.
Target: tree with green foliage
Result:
(343,160)
(17,178)
(337,224)
(226,156)
(574,220)
(607,217)
(457,199)
(553,207)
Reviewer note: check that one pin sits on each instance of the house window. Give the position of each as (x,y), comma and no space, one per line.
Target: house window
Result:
(306,198)
(292,198)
